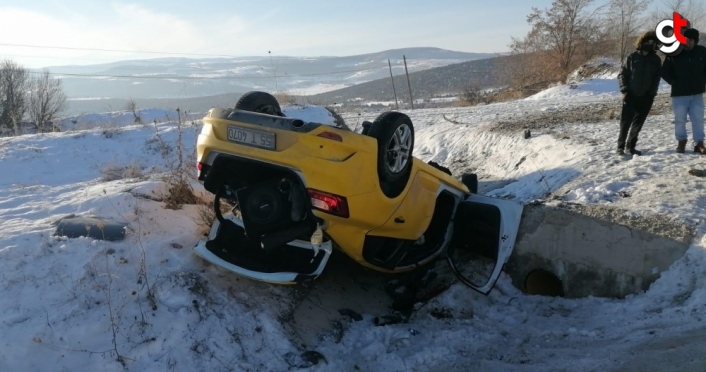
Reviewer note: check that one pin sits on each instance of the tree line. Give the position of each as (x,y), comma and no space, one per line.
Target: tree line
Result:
(28,98)
(572,32)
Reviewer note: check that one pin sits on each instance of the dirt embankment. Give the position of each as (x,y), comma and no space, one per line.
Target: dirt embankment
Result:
(594,112)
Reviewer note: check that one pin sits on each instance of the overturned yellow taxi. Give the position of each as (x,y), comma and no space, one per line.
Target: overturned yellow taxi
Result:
(302,189)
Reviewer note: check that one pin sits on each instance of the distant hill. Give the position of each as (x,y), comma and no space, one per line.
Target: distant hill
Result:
(191,104)
(175,78)
(448,80)
(435,82)
(419,53)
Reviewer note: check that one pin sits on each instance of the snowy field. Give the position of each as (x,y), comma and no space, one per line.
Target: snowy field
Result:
(149,304)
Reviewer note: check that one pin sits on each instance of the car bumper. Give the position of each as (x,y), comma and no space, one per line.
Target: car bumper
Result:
(277,277)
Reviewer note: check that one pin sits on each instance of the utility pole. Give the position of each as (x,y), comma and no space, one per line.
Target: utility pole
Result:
(393,84)
(274,72)
(411,100)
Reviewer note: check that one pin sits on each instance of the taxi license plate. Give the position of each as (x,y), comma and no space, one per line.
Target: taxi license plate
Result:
(251,137)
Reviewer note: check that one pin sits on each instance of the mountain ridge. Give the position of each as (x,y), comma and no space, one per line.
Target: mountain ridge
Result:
(181,77)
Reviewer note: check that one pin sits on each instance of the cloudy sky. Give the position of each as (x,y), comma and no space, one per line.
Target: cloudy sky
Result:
(240,28)
(38,33)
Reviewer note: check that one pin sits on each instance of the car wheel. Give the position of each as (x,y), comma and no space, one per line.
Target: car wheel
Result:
(395,135)
(260,102)
(471,181)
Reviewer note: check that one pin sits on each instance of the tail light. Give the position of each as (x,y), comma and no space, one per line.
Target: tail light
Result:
(329,203)
(331,136)
(201,170)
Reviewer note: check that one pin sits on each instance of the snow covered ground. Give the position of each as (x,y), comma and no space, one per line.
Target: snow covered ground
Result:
(147,303)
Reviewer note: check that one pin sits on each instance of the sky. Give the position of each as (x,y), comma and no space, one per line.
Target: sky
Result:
(238,28)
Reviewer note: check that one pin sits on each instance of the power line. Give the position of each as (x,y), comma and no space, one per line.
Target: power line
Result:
(177,77)
(106,60)
(170,53)
(164,53)
(116,50)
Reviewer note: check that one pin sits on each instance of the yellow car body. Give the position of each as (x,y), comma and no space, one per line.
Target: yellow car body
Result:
(337,168)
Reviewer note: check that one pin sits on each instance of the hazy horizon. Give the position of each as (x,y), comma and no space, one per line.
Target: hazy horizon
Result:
(75,32)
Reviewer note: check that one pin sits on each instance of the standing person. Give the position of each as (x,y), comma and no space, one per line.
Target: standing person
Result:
(638,81)
(686,73)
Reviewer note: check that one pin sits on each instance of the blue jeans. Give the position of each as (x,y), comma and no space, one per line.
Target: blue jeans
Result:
(694,107)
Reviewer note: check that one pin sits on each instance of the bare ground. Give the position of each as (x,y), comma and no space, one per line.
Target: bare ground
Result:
(594,112)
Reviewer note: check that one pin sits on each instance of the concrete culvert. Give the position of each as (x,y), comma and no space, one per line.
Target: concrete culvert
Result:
(544,283)
(593,250)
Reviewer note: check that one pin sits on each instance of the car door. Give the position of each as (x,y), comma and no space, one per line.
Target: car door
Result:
(485,230)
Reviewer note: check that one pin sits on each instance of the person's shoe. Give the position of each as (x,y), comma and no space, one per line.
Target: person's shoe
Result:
(681,147)
(620,151)
(635,152)
(699,148)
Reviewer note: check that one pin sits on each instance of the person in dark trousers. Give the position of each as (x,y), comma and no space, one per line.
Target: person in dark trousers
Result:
(638,81)
(686,73)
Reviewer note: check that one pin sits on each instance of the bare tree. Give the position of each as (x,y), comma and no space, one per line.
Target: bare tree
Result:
(624,22)
(131,106)
(528,69)
(693,10)
(14,94)
(5,123)
(568,30)
(472,95)
(46,100)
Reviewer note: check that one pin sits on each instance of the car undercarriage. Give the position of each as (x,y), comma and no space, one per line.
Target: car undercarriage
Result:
(299,190)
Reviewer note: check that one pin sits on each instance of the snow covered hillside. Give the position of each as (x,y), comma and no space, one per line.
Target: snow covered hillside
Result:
(148,303)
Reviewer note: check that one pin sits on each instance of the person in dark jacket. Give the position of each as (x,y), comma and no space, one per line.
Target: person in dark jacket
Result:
(638,81)
(686,73)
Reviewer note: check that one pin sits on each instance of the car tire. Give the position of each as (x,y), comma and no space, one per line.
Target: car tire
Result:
(260,102)
(395,136)
(471,181)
